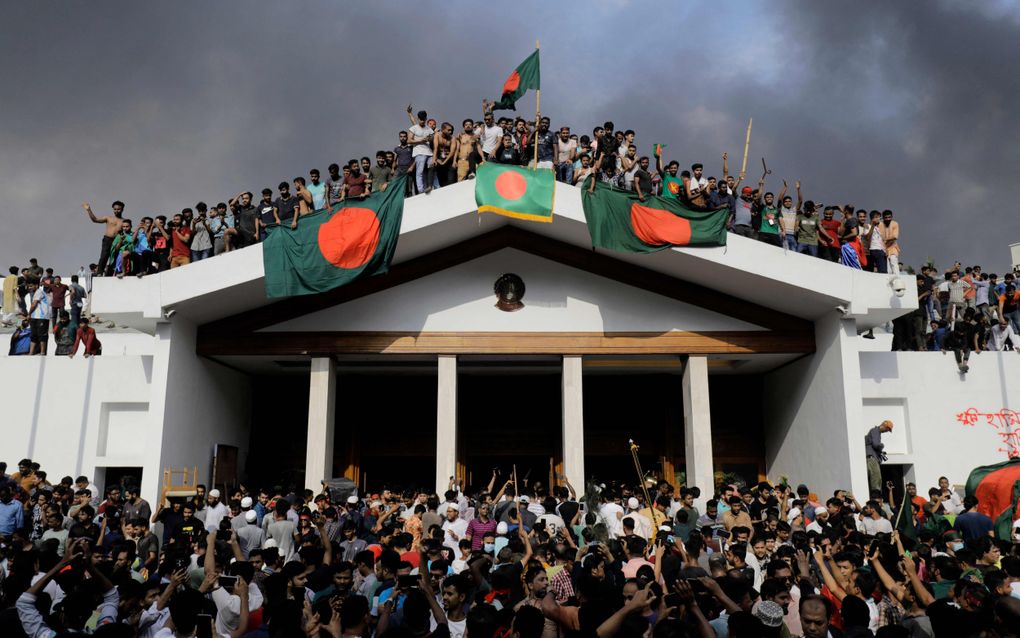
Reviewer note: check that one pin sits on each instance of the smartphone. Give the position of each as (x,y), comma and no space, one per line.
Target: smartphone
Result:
(696,585)
(204,626)
(407,581)
(227,582)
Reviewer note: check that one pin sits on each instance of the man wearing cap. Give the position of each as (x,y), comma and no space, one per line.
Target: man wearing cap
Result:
(740,214)
(215,511)
(239,521)
(454,528)
(873,449)
(249,535)
(821,522)
(642,524)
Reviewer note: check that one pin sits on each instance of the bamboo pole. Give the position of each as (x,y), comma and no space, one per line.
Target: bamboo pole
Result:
(538,116)
(644,488)
(747,144)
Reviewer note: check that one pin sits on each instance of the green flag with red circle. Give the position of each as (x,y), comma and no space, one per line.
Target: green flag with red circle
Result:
(525,76)
(620,220)
(332,247)
(514,191)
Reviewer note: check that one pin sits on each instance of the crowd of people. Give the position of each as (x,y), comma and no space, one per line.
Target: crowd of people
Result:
(964,310)
(508,560)
(38,304)
(433,155)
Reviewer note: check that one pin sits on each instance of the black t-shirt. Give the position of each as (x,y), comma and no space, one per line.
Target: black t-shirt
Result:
(402,157)
(286,207)
(245,216)
(545,146)
(643,179)
(507,155)
(265,213)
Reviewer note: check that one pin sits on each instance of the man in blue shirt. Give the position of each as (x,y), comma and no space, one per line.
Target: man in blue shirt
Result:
(12,512)
(972,524)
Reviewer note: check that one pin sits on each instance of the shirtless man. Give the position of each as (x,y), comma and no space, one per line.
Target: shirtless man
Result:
(112,228)
(304,197)
(463,146)
(441,153)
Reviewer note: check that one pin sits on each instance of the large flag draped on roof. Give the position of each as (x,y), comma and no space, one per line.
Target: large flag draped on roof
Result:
(335,246)
(514,191)
(619,220)
(525,76)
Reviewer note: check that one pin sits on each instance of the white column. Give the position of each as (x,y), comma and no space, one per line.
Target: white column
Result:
(446,422)
(573,422)
(321,422)
(698,428)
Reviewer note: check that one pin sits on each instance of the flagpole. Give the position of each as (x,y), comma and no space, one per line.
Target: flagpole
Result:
(747,143)
(538,115)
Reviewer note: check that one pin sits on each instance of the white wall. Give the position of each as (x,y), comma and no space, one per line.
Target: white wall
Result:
(811,409)
(72,415)
(207,404)
(557,298)
(922,393)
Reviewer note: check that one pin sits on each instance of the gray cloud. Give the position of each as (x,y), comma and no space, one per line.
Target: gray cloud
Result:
(884,105)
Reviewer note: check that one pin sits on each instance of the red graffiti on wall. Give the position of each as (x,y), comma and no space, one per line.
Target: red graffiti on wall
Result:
(1006,423)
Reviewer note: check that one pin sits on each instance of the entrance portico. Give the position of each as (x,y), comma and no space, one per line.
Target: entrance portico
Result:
(584,314)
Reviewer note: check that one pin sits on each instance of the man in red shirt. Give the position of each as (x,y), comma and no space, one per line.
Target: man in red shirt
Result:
(354,182)
(180,252)
(828,236)
(58,293)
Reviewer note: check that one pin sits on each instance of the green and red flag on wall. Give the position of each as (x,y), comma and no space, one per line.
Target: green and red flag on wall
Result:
(514,191)
(619,220)
(996,490)
(525,76)
(335,246)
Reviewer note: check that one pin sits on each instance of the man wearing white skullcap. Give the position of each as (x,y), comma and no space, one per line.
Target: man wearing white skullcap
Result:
(215,510)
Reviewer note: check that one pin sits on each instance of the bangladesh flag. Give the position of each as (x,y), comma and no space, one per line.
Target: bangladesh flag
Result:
(514,191)
(334,246)
(906,521)
(619,220)
(994,487)
(525,76)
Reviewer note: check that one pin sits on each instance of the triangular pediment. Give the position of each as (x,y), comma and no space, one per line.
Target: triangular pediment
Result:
(558,298)
(575,298)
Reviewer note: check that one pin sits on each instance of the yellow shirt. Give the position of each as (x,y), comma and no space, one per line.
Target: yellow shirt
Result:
(10,294)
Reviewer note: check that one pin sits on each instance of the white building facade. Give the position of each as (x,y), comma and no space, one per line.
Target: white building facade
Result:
(738,361)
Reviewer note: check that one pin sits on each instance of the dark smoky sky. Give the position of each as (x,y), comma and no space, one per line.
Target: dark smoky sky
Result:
(907,106)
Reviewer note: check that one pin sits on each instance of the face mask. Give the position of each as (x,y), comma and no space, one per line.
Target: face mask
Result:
(489,548)
(957,546)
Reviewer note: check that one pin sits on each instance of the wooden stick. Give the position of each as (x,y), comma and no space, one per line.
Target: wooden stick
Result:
(538,116)
(747,144)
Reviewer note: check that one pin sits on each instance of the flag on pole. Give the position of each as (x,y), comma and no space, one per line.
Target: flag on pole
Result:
(335,246)
(515,191)
(525,76)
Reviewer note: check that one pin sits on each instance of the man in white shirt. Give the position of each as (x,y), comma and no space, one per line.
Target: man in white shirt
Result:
(454,528)
(215,511)
(40,312)
(642,525)
(420,139)
(489,134)
(611,514)
(954,504)
(871,522)
(999,332)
